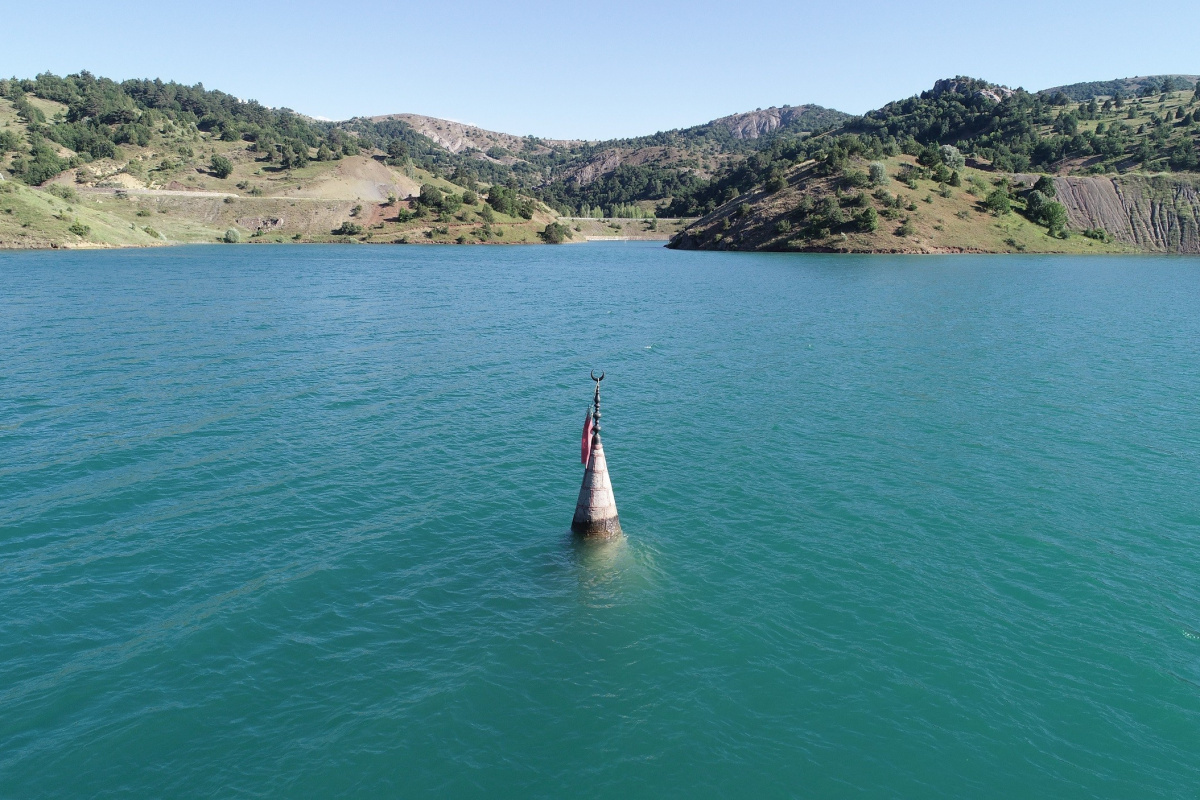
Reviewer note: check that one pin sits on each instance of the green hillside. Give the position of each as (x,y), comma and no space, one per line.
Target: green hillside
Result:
(147,162)
(948,151)
(81,121)
(150,162)
(1145,86)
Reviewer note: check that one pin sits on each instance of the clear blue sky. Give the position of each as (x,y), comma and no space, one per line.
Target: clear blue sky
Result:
(596,70)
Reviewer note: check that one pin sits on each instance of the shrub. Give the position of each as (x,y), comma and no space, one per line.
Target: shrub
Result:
(775,183)
(231,237)
(79,229)
(951,156)
(743,209)
(451,203)
(997,202)
(397,152)
(1035,205)
(878,174)
(554,233)
(9,140)
(1099,234)
(221,166)
(41,165)
(347,229)
(430,197)
(64,192)
(1045,185)
(855,179)
(469,198)
(928,156)
(506,200)
(293,155)
(1055,216)
(955,179)
(867,221)
(906,228)
(783,226)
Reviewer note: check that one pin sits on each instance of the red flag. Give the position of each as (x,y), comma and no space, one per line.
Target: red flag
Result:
(585,450)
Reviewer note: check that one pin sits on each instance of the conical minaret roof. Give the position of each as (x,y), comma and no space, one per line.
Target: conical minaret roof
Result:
(596,509)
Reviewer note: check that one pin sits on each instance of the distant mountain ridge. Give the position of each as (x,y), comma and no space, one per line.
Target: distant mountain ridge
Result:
(460,136)
(1140,86)
(574,174)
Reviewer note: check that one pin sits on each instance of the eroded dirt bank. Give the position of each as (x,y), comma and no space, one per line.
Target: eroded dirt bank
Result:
(1158,213)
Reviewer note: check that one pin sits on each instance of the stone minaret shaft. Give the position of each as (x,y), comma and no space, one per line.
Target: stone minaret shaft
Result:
(596,509)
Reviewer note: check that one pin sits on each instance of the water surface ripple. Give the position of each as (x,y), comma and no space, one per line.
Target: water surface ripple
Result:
(292,521)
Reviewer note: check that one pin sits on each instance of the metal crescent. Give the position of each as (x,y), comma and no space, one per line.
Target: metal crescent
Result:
(593,373)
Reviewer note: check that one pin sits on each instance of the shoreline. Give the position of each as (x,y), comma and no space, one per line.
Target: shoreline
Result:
(942,251)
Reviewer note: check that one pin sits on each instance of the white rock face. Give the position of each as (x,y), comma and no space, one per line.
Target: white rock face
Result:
(596,509)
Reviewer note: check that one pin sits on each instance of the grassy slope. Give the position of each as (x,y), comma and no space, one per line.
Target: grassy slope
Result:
(1095,164)
(957,223)
(167,186)
(939,226)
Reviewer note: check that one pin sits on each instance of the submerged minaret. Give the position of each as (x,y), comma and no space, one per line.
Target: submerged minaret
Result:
(596,509)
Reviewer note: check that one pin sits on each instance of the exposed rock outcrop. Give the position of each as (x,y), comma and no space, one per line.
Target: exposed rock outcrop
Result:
(457,136)
(965,86)
(759,123)
(1159,213)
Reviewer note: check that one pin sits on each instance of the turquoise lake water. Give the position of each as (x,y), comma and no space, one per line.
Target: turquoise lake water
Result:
(293,521)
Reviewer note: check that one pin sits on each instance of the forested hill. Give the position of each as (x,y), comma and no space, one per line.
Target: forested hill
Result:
(581,177)
(1145,86)
(151,133)
(1017,131)
(966,148)
(100,125)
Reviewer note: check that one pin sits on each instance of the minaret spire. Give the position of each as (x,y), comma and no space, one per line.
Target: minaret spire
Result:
(596,509)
